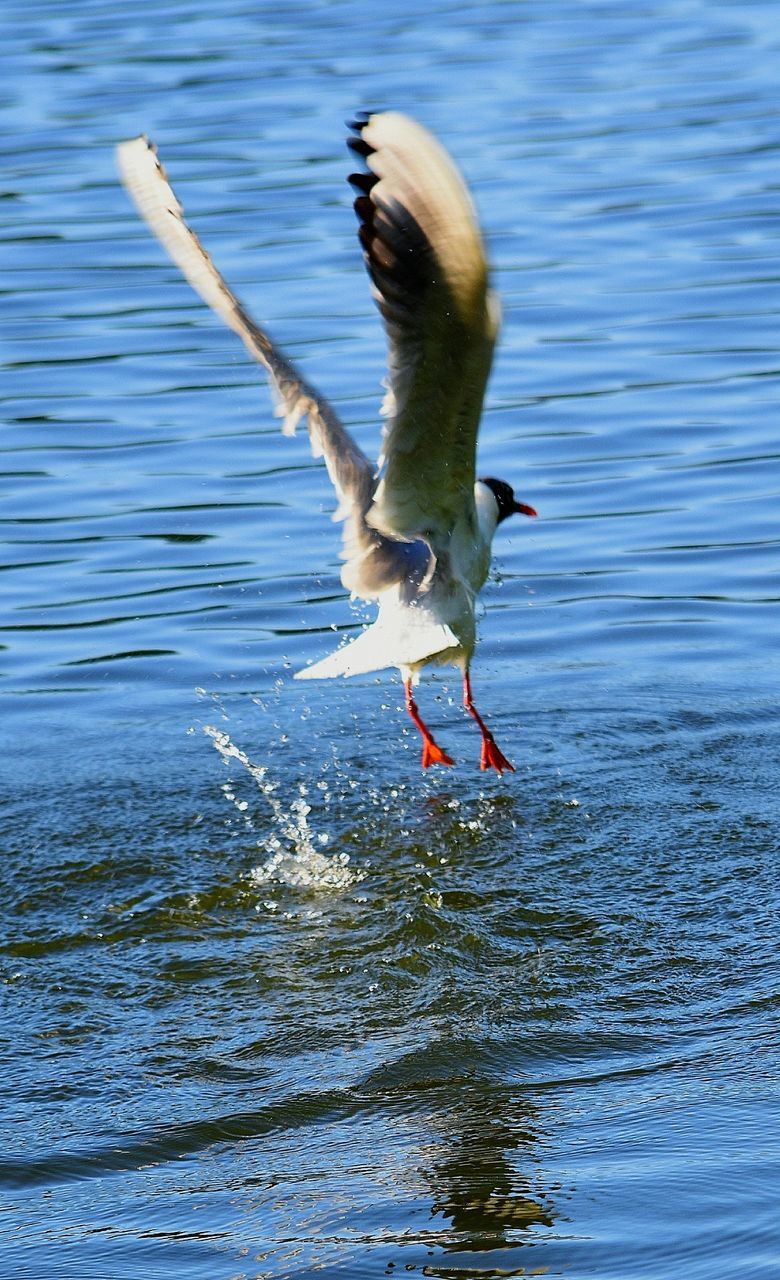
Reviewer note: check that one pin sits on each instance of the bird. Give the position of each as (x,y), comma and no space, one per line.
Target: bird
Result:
(418,525)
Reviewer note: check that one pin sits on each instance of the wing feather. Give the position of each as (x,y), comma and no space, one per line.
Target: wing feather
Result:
(349,469)
(425,256)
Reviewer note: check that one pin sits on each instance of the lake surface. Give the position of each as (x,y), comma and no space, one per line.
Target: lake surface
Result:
(275,1003)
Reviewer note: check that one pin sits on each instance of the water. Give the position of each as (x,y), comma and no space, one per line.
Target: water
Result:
(275,1003)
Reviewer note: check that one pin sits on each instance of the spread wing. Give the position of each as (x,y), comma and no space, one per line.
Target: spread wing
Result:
(350,470)
(426,260)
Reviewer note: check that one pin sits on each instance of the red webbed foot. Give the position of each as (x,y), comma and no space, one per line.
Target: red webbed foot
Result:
(492,757)
(433,754)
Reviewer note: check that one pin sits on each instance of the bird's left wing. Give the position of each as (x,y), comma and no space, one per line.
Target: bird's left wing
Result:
(350,470)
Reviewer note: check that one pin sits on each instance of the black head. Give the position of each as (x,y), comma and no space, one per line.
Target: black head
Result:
(504,496)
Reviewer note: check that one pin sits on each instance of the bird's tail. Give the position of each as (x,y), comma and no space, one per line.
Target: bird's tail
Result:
(379,646)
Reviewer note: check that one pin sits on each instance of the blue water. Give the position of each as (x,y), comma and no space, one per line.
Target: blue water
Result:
(276,1004)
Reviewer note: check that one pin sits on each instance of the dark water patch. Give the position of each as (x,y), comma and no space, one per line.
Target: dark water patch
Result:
(122,1153)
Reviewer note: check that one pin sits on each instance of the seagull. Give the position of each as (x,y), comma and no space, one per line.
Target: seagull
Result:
(418,526)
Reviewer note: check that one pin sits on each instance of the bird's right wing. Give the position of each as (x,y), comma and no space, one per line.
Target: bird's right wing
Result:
(427,264)
(349,469)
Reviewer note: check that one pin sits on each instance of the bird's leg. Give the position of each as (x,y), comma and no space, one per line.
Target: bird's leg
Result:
(492,757)
(431,752)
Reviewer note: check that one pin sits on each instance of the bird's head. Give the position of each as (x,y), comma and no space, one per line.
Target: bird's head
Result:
(506,502)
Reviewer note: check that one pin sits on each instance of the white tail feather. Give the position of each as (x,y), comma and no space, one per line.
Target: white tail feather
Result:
(381,646)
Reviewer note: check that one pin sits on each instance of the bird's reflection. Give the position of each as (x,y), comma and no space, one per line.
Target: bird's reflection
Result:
(489,1198)
(480,1157)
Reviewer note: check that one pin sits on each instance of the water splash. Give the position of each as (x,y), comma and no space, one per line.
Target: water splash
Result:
(294,858)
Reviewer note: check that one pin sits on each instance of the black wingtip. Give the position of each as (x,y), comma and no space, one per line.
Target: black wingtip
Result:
(362,117)
(363,208)
(359,146)
(387,248)
(360,120)
(363,182)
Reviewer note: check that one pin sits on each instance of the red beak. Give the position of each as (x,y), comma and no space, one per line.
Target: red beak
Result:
(523,509)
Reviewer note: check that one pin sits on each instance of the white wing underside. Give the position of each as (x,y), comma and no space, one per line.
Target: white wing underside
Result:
(383,645)
(349,469)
